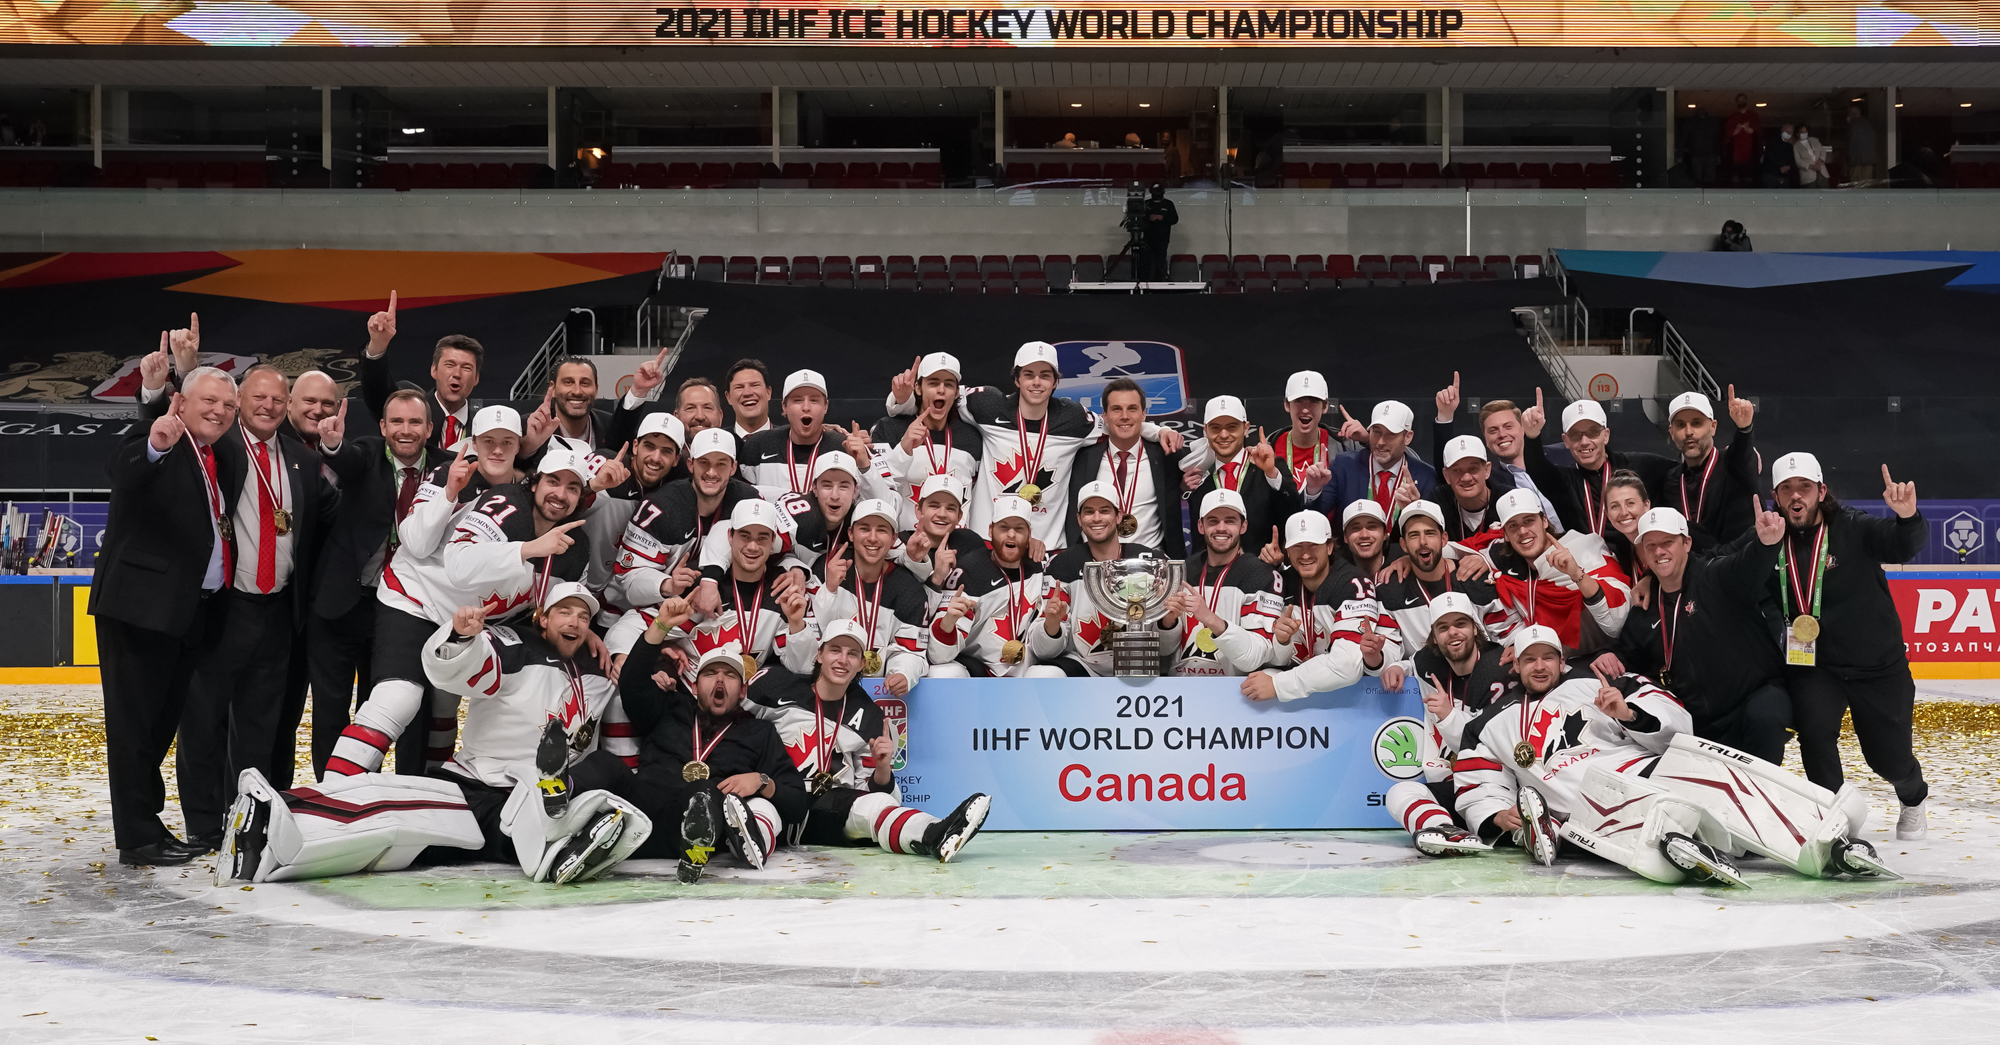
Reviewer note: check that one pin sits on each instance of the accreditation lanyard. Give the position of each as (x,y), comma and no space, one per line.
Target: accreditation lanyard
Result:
(1299,470)
(1427,595)
(1670,628)
(1794,592)
(1701,494)
(871,607)
(1014,611)
(930,451)
(1031,467)
(792,467)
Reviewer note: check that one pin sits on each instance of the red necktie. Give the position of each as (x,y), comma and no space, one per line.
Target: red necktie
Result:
(215,503)
(1229,476)
(1384,485)
(1122,455)
(450,430)
(267,526)
(404,497)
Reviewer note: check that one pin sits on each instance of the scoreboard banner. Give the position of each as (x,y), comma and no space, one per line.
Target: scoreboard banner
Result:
(571,23)
(1171,754)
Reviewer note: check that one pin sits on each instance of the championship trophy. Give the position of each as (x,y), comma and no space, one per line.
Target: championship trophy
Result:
(1132,595)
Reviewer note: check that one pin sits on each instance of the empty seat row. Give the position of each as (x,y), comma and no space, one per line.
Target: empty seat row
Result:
(770,175)
(1023,173)
(405,176)
(131,174)
(1430,175)
(1976,176)
(1001,273)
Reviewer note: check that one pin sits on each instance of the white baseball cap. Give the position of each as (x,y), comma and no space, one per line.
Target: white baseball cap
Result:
(1453,602)
(873,507)
(941,482)
(1219,499)
(490,417)
(569,590)
(663,422)
(1462,447)
(1421,509)
(1392,415)
(729,653)
(560,458)
(1689,401)
(1008,506)
(1517,502)
(1308,527)
(1097,488)
(752,511)
(798,379)
(712,441)
(1532,635)
(1663,520)
(1364,506)
(845,628)
(1223,406)
(938,363)
(836,461)
(1796,466)
(1036,352)
(1306,384)
(1584,410)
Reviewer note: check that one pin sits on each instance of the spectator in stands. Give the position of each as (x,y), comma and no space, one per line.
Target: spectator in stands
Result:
(1733,238)
(1133,141)
(1068,142)
(1779,161)
(1743,137)
(748,382)
(1810,155)
(1861,147)
(1161,217)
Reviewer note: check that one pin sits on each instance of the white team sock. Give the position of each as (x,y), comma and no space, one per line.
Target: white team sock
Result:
(1413,805)
(377,723)
(893,827)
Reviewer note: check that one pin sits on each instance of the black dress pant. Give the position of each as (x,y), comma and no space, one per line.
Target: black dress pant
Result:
(146,675)
(337,650)
(285,746)
(234,704)
(1756,725)
(1882,707)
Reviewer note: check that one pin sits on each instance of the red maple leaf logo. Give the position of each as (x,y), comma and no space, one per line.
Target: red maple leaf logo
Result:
(708,640)
(1088,632)
(1539,731)
(1008,471)
(498,606)
(805,751)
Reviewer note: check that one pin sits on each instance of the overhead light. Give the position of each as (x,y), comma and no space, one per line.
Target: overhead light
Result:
(413,130)
(1076,105)
(1690,105)
(1965,105)
(1854,99)
(1899,105)
(1145,105)
(1760,105)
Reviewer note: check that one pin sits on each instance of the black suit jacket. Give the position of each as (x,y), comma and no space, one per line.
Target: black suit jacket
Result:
(314,507)
(1263,506)
(376,389)
(1166,488)
(368,488)
(157,540)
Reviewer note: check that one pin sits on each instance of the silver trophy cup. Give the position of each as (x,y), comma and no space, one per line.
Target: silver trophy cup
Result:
(1132,594)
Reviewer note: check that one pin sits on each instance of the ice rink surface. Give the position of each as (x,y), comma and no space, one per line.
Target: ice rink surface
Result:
(1174,938)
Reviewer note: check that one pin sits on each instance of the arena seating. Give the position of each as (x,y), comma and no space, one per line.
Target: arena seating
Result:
(1037,274)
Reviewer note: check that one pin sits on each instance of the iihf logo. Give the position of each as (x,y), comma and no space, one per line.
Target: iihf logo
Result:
(1964,533)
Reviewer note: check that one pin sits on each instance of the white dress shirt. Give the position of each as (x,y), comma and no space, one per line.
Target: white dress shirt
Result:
(246,516)
(212,578)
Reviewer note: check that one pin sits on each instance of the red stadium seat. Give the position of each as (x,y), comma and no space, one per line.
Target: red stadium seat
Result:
(427,176)
(1565,176)
(493,176)
(1086,171)
(1120,172)
(1359,175)
(1391,175)
(1052,172)
(1340,266)
(1600,176)
(1033,281)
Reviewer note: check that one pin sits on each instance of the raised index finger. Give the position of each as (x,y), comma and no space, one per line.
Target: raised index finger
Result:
(463,446)
(194,324)
(392,303)
(1885,476)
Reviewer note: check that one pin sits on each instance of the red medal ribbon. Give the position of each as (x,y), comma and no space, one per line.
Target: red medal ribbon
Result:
(701,752)
(1031,466)
(1701,495)
(792,467)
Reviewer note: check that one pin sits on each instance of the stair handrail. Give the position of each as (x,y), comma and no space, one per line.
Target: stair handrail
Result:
(1543,343)
(541,366)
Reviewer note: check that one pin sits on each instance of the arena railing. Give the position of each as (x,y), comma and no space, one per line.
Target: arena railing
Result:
(1548,352)
(540,369)
(1694,373)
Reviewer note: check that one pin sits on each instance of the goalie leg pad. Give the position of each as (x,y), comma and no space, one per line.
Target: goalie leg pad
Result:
(377,723)
(346,825)
(605,831)
(539,839)
(1626,819)
(1749,805)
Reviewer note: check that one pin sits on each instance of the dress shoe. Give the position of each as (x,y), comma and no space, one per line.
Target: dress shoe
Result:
(167,852)
(202,845)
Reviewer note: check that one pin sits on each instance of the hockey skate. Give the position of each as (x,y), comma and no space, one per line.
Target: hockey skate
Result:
(743,840)
(589,848)
(1450,840)
(1857,857)
(551,758)
(1539,830)
(246,833)
(1701,860)
(946,837)
(698,835)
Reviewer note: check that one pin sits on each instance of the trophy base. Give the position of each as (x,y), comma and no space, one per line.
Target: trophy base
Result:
(1135,654)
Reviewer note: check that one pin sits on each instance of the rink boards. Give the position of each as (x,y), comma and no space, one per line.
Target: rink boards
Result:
(1171,754)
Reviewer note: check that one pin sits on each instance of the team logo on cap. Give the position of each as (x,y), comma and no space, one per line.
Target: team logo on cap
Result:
(1087,366)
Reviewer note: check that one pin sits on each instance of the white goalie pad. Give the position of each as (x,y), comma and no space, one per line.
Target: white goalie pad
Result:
(1624,818)
(538,837)
(1750,805)
(345,825)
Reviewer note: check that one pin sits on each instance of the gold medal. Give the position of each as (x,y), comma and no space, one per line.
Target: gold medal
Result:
(1011,651)
(694,771)
(227,526)
(1127,525)
(749,666)
(871,662)
(281,521)
(1805,627)
(1204,640)
(1031,493)
(1524,755)
(822,782)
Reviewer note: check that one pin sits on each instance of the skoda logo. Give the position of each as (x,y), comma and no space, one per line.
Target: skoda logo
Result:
(1399,748)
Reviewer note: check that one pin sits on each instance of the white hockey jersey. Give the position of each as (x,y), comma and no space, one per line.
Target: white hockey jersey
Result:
(1322,654)
(1565,734)
(515,683)
(777,466)
(1409,601)
(1248,596)
(664,529)
(768,638)
(891,610)
(896,476)
(1009,608)
(833,738)
(1537,593)
(480,564)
